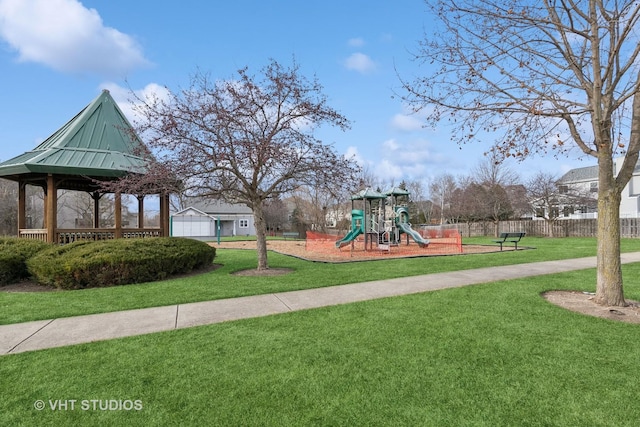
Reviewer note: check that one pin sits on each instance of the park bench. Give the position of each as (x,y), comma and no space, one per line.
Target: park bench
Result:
(512,237)
(290,234)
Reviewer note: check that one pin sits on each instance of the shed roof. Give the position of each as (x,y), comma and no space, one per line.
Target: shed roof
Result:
(197,213)
(191,211)
(98,142)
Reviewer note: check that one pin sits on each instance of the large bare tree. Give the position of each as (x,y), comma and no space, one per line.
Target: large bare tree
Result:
(545,196)
(496,176)
(423,207)
(247,139)
(441,190)
(552,75)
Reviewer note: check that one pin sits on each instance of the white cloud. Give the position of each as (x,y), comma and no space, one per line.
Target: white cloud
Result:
(66,36)
(411,160)
(391,144)
(414,154)
(356,42)
(360,62)
(387,171)
(406,123)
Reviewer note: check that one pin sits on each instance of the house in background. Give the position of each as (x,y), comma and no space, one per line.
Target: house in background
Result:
(517,196)
(578,194)
(584,183)
(203,217)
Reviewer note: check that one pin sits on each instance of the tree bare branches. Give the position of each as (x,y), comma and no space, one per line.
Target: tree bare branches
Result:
(247,139)
(541,77)
(535,73)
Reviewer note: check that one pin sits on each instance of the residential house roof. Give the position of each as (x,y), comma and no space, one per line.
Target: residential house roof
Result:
(218,207)
(588,173)
(214,209)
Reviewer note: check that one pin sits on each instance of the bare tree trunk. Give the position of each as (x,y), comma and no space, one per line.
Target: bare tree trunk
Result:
(261,235)
(609,281)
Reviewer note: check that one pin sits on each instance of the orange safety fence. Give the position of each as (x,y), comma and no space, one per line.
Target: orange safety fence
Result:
(441,242)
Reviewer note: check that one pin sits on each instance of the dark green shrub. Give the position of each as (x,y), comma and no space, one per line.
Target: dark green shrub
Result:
(118,262)
(10,266)
(14,253)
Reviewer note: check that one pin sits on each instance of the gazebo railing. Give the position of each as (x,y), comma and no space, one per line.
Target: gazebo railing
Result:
(71,235)
(33,234)
(75,234)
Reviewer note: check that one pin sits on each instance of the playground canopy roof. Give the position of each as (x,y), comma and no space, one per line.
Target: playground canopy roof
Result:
(397,191)
(367,194)
(98,142)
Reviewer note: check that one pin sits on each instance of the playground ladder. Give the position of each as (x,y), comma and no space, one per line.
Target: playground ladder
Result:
(384,244)
(374,225)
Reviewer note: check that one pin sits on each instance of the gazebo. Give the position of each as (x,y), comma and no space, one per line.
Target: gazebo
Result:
(97,145)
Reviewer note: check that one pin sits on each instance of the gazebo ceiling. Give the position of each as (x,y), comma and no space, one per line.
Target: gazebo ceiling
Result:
(63,182)
(98,143)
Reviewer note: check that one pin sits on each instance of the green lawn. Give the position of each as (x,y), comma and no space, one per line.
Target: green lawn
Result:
(488,355)
(494,354)
(21,307)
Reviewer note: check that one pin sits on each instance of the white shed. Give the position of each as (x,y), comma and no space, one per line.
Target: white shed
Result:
(191,222)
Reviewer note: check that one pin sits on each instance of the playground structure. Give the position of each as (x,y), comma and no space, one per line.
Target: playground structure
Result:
(382,221)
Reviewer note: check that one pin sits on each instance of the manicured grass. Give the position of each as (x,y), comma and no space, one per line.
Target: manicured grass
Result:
(21,307)
(487,355)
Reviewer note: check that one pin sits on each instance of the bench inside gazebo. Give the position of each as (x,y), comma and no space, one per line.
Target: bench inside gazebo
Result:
(97,145)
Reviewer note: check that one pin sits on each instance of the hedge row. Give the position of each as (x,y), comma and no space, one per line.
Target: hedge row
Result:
(14,253)
(118,262)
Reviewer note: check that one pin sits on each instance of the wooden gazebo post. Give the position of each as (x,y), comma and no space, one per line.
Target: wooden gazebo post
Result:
(140,211)
(164,214)
(96,208)
(51,204)
(118,215)
(22,205)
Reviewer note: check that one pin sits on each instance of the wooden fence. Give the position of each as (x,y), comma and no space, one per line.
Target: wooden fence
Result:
(629,227)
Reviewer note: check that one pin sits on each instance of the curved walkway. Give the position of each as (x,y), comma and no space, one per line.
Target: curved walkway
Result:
(41,334)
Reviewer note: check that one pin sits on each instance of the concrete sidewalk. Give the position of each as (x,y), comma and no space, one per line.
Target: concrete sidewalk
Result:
(41,334)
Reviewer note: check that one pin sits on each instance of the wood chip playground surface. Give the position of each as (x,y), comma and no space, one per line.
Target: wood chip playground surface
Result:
(324,249)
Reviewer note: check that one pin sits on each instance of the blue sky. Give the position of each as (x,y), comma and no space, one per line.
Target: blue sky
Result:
(57,55)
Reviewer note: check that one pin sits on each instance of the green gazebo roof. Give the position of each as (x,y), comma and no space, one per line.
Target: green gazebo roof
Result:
(98,142)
